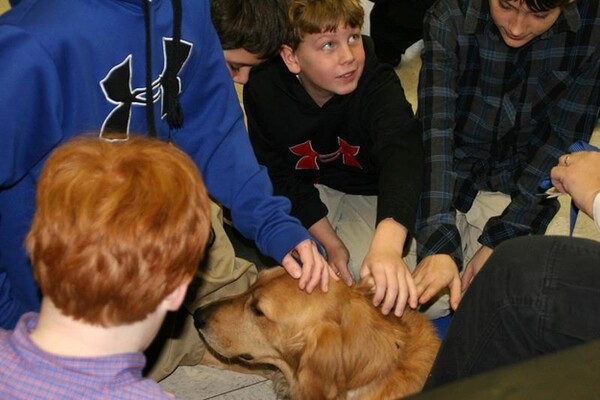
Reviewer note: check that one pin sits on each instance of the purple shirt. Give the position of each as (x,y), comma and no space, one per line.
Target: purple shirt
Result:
(27,372)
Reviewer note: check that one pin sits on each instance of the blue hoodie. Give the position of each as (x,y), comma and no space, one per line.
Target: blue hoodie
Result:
(73,67)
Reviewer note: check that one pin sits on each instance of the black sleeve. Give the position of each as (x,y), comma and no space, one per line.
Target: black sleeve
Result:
(259,96)
(397,152)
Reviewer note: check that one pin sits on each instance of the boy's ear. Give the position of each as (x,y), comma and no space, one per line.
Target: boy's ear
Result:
(174,300)
(289,58)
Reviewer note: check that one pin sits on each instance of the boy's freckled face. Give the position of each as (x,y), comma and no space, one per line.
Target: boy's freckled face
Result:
(518,25)
(239,63)
(331,62)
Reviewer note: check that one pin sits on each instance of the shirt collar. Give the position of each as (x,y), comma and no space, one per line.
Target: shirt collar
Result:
(117,369)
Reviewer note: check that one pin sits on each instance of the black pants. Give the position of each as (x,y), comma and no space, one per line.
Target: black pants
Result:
(536,295)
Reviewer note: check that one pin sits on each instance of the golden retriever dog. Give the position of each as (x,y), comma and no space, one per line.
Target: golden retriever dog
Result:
(333,345)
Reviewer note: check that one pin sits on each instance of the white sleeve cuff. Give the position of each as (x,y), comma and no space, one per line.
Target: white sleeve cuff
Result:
(597,211)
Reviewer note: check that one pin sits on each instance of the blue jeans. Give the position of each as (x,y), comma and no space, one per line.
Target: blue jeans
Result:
(535,295)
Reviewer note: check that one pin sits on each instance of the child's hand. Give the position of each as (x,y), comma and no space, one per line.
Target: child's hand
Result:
(434,273)
(338,258)
(308,265)
(474,266)
(337,253)
(392,280)
(384,265)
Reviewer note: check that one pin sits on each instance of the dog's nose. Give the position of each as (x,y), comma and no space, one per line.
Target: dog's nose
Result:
(199,319)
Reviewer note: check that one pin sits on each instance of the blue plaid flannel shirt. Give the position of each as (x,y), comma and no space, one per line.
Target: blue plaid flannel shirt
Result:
(497,118)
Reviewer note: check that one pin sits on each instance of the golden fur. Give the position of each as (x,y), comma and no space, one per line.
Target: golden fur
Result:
(328,346)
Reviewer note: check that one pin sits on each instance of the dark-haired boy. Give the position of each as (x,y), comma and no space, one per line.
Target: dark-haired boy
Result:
(250,32)
(506,86)
(121,66)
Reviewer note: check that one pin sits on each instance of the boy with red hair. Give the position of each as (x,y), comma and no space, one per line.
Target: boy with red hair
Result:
(118,233)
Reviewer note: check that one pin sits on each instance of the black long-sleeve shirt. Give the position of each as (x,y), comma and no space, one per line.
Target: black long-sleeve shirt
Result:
(366,142)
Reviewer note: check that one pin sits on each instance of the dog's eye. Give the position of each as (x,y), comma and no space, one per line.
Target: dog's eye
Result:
(255,309)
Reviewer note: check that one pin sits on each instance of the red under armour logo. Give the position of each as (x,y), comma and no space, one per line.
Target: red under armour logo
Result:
(308,155)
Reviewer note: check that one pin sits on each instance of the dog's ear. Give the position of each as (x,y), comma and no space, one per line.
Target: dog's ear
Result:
(320,373)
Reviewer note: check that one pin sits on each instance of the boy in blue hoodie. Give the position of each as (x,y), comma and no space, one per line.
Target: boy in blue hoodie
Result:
(121,66)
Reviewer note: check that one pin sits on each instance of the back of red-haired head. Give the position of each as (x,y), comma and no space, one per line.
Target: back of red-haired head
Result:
(118,226)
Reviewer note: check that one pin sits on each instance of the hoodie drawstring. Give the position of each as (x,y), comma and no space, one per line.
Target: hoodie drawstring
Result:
(173,109)
(173,106)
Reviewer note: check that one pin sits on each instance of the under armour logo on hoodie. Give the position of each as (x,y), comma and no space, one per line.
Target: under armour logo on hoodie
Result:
(309,157)
(117,88)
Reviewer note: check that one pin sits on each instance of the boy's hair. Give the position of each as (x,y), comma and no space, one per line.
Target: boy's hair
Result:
(545,5)
(315,16)
(118,227)
(258,26)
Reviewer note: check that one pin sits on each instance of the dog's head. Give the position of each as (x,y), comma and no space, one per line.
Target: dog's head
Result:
(269,321)
(328,342)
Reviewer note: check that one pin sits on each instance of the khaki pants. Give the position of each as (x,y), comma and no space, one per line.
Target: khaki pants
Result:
(470,224)
(221,275)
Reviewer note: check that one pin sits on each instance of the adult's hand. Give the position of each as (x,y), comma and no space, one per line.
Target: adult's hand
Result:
(578,174)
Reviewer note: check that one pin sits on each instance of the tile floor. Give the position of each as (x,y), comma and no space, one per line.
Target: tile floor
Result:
(203,383)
